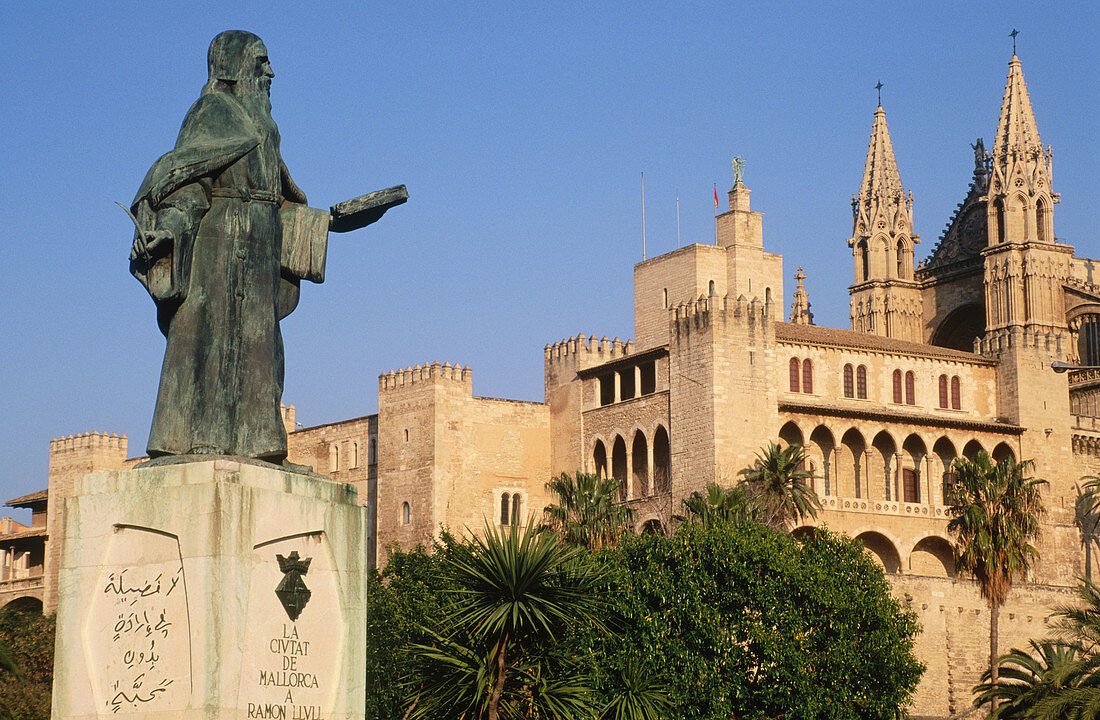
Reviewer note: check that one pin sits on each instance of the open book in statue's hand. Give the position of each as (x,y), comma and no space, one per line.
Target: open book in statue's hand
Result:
(365,209)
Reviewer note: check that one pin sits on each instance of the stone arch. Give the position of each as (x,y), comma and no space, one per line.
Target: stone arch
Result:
(882,549)
(904,258)
(821,447)
(971,449)
(791,434)
(662,470)
(912,458)
(851,470)
(1044,220)
(803,532)
(945,454)
(1002,451)
(961,328)
(882,476)
(25,603)
(639,465)
(933,556)
(618,465)
(599,459)
(650,525)
(863,262)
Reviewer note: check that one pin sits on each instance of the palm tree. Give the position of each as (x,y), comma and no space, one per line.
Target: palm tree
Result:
(518,588)
(587,512)
(1086,517)
(720,505)
(995,513)
(1060,678)
(1026,681)
(777,480)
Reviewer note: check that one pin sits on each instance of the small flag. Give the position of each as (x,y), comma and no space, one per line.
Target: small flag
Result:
(716,197)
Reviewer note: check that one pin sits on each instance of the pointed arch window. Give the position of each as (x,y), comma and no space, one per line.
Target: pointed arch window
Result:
(795,368)
(861,382)
(863,261)
(902,256)
(849,381)
(897,386)
(956,393)
(910,389)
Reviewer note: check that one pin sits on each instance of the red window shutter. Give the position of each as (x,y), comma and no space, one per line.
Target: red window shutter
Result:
(794,374)
(897,386)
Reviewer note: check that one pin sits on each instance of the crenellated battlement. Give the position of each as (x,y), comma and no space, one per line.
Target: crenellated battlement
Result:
(587,351)
(89,442)
(427,374)
(1047,341)
(698,315)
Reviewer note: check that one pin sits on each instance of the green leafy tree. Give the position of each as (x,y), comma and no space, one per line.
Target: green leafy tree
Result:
(515,591)
(746,622)
(28,638)
(778,484)
(995,511)
(404,605)
(587,511)
(720,505)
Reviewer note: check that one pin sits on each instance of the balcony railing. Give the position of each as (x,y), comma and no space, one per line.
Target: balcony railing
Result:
(883,507)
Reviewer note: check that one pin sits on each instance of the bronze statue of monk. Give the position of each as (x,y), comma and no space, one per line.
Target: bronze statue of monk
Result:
(224,238)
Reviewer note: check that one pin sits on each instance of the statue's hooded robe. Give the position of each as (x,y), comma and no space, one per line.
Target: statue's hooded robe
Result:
(222,286)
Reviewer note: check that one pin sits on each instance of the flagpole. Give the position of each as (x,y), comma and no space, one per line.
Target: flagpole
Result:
(715,213)
(643,216)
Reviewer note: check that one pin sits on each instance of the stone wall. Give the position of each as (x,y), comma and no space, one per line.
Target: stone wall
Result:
(71,458)
(346,451)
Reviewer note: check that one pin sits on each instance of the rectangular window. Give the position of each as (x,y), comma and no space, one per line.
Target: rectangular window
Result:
(649,378)
(607,389)
(626,383)
(910,486)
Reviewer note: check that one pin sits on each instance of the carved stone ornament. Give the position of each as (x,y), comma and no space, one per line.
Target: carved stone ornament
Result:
(292,591)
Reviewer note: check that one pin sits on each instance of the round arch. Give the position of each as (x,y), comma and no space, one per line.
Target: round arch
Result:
(26,603)
(961,328)
(662,469)
(933,556)
(618,465)
(882,549)
(599,458)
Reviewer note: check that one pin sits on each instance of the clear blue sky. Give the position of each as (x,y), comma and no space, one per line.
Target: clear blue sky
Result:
(521,130)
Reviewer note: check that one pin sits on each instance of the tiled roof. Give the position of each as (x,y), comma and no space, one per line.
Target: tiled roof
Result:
(815,335)
(28,499)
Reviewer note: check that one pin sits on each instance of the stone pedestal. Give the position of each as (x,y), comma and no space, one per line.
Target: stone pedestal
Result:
(214,589)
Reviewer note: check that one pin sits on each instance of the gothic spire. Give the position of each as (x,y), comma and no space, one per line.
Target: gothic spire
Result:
(800,308)
(880,173)
(881,205)
(1017,132)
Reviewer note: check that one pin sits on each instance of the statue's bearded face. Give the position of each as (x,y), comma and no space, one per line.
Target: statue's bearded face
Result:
(262,69)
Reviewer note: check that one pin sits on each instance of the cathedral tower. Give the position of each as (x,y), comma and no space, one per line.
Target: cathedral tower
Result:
(884,297)
(1024,267)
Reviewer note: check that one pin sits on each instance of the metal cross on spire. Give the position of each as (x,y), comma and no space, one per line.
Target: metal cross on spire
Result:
(879,88)
(1013,35)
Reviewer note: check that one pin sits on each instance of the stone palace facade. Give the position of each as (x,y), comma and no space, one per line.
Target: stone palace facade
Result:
(943,358)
